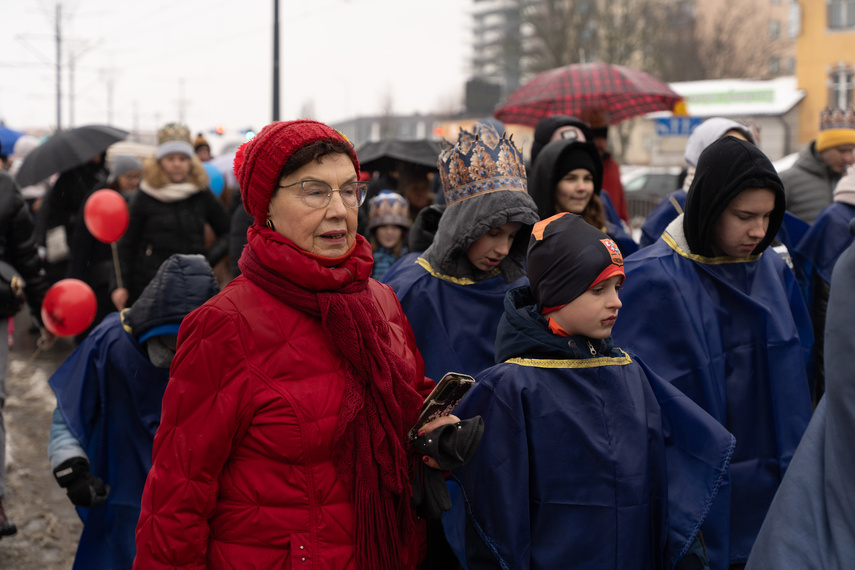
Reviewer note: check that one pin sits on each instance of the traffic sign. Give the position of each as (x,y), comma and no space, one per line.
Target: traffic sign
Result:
(677,126)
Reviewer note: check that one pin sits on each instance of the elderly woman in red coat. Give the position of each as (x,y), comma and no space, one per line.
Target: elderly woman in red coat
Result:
(283,440)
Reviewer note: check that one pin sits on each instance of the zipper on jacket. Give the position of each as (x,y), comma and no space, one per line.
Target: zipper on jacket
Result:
(591,348)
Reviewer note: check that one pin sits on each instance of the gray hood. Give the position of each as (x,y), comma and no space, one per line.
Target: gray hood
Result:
(464,222)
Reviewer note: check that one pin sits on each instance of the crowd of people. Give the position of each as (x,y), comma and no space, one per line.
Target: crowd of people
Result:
(246,393)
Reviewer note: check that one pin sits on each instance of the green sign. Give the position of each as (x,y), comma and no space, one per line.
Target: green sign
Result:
(731,97)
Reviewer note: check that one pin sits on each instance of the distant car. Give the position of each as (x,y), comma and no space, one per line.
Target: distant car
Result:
(645,186)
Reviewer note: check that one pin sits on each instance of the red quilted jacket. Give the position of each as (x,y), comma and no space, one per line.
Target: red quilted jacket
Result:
(243,475)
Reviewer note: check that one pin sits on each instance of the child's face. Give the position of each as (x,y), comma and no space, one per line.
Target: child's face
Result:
(574,191)
(593,313)
(388,236)
(490,249)
(743,224)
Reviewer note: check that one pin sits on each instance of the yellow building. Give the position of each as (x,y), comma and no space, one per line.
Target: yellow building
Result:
(825,59)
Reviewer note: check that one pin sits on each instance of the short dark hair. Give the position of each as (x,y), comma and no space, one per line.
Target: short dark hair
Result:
(313,152)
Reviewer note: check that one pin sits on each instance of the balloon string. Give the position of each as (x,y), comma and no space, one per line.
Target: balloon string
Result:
(116,265)
(33,357)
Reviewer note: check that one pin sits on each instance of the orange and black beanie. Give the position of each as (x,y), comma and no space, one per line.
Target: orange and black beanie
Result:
(566,257)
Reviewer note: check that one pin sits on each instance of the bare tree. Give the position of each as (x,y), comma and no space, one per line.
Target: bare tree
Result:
(734,41)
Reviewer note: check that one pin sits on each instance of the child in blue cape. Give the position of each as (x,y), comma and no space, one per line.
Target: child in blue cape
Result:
(588,459)
(108,397)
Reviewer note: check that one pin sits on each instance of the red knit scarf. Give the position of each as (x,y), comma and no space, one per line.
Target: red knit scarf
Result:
(378,408)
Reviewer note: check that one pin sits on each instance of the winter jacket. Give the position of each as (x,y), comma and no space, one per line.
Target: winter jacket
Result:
(243,474)
(809,184)
(17,246)
(158,229)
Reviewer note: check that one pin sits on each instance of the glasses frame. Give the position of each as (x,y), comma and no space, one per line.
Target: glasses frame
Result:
(359,183)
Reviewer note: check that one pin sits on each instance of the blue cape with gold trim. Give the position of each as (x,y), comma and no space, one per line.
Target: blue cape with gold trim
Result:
(454,320)
(735,336)
(586,461)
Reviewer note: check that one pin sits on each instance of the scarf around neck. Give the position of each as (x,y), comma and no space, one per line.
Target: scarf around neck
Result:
(170,192)
(379,404)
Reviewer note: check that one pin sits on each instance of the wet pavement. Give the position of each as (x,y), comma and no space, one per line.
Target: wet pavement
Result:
(48,525)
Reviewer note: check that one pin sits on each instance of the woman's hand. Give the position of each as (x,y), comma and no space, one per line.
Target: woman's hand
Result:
(120,297)
(429,427)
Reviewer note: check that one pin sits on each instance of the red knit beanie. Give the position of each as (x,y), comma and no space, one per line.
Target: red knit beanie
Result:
(259,161)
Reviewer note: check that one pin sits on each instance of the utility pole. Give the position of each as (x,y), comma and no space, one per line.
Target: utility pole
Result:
(275,60)
(181,101)
(58,69)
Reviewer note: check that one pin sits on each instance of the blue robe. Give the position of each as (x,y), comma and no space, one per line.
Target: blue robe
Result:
(822,245)
(735,336)
(106,378)
(589,462)
(454,320)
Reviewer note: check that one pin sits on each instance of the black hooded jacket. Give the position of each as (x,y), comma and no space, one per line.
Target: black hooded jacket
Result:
(182,284)
(551,167)
(725,169)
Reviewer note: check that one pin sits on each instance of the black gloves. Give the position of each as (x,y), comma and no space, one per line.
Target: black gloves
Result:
(83,488)
(452,445)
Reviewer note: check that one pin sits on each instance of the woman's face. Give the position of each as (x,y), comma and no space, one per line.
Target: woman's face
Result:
(574,191)
(329,231)
(490,249)
(743,224)
(129,181)
(177,167)
(389,235)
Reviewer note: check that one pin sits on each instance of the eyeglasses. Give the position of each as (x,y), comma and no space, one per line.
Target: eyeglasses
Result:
(317,194)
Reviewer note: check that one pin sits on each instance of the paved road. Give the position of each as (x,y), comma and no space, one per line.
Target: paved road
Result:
(48,525)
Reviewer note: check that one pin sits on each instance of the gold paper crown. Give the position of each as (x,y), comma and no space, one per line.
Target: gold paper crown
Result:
(388,209)
(480,163)
(836,118)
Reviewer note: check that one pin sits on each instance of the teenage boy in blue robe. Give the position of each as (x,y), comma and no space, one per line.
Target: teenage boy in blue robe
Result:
(721,317)
(590,460)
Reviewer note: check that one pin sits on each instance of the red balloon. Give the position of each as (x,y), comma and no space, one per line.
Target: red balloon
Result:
(106,215)
(69,307)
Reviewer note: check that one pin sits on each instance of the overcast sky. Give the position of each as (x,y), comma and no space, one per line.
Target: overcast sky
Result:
(211,60)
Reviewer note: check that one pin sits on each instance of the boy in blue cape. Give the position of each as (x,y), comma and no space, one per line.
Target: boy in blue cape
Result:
(452,293)
(590,460)
(721,317)
(108,395)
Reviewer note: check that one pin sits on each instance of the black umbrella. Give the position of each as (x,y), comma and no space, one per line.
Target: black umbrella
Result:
(65,150)
(385,154)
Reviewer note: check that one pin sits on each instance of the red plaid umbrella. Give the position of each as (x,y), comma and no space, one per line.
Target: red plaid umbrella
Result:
(581,88)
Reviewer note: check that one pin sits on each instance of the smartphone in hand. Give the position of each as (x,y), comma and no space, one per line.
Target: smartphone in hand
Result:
(443,398)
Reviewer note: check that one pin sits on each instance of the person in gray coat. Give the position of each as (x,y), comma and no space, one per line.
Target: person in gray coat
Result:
(811,523)
(809,183)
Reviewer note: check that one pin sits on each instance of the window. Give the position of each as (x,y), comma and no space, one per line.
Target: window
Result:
(841,14)
(791,66)
(840,81)
(774,29)
(774,65)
